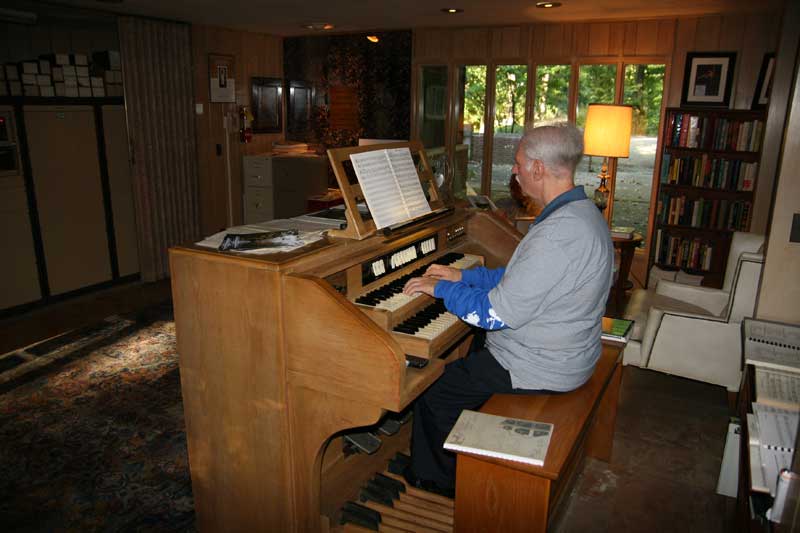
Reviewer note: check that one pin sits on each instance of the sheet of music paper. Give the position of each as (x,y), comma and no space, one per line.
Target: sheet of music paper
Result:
(391,186)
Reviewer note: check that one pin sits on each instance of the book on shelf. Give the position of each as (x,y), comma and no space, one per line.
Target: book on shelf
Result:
(616,329)
(622,232)
(513,439)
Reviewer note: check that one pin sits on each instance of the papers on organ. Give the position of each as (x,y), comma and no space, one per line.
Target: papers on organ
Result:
(391,186)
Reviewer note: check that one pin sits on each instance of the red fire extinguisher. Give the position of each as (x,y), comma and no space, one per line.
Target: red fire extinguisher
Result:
(245,121)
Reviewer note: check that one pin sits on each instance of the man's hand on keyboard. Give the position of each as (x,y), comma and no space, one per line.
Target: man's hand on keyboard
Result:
(443,272)
(425,285)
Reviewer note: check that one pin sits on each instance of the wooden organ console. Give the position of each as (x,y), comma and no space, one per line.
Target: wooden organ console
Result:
(281,354)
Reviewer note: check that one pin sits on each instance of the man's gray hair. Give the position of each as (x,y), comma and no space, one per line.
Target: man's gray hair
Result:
(560,147)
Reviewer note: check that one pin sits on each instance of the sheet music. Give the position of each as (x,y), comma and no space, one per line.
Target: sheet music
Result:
(407,178)
(391,186)
(774,387)
(772,344)
(777,427)
(773,461)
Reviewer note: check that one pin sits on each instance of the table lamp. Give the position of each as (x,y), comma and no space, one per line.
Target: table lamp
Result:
(608,134)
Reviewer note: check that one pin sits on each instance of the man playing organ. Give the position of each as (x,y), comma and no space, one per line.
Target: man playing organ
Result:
(542,312)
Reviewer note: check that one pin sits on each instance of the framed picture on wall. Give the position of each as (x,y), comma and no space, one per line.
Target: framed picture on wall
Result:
(708,78)
(221,75)
(764,83)
(267,102)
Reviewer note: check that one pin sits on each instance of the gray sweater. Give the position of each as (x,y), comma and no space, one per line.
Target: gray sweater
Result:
(552,296)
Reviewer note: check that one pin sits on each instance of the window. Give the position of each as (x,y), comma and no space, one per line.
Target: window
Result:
(433,115)
(551,104)
(468,160)
(511,89)
(643,87)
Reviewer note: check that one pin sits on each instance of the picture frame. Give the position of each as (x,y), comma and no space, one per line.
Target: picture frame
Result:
(221,76)
(266,99)
(708,79)
(764,83)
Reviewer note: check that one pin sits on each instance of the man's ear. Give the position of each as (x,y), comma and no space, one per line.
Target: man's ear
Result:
(537,169)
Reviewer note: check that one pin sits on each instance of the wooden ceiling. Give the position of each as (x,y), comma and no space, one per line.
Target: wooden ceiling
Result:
(289,17)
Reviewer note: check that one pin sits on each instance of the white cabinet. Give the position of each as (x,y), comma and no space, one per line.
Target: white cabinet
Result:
(278,186)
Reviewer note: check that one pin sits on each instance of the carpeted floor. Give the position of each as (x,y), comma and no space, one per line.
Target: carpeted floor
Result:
(92,438)
(92,433)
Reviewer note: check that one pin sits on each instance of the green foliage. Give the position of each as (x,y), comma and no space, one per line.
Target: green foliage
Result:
(596,85)
(644,87)
(552,94)
(474,95)
(511,83)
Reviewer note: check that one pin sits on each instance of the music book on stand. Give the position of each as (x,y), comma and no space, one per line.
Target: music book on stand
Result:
(391,186)
(513,439)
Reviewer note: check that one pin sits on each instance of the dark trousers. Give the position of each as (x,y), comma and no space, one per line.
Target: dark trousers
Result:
(465,384)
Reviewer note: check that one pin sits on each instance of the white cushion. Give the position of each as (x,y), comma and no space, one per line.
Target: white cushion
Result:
(688,279)
(642,300)
(657,274)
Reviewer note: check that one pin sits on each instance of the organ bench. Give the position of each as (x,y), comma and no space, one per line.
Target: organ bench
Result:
(499,495)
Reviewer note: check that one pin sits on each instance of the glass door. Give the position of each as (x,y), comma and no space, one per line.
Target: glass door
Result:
(470,122)
(508,125)
(432,118)
(643,88)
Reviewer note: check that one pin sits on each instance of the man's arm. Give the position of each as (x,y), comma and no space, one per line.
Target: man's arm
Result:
(471,304)
(482,277)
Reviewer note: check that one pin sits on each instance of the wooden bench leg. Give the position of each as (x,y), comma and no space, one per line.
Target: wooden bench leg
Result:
(601,435)
(490,497)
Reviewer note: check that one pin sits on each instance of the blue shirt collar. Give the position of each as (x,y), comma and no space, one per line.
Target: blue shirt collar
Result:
(564,198)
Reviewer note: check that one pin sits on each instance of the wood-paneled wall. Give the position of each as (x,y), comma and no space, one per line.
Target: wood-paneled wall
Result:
(20,42)
(668,40)
(254,54)
(780,283)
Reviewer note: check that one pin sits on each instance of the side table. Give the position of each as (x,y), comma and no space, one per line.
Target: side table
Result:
(626,249)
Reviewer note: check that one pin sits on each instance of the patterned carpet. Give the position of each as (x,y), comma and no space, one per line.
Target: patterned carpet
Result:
(92,436)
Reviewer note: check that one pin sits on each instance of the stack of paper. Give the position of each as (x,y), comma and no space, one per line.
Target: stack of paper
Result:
(772,433)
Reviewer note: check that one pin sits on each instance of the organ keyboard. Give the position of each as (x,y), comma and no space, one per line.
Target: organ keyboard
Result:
(283,353)
(389,306)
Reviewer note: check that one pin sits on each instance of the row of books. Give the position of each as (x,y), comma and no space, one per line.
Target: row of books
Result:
(708,172)
(687,253)
(687,130)
(703,212)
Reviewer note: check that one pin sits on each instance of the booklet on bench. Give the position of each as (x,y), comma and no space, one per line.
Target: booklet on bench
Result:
(501,437)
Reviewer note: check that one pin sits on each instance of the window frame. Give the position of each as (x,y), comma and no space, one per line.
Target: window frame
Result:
(575,62)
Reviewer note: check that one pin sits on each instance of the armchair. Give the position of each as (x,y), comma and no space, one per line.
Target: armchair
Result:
(693,331)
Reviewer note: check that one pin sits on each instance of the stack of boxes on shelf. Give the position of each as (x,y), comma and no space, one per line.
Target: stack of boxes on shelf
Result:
(64,76)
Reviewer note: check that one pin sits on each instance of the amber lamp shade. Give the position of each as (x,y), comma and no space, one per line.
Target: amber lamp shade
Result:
(607,134)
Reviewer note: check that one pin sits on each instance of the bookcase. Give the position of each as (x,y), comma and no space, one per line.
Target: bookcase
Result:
(707,178)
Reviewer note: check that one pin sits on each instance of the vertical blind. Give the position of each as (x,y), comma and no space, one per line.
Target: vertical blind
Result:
(157,64)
